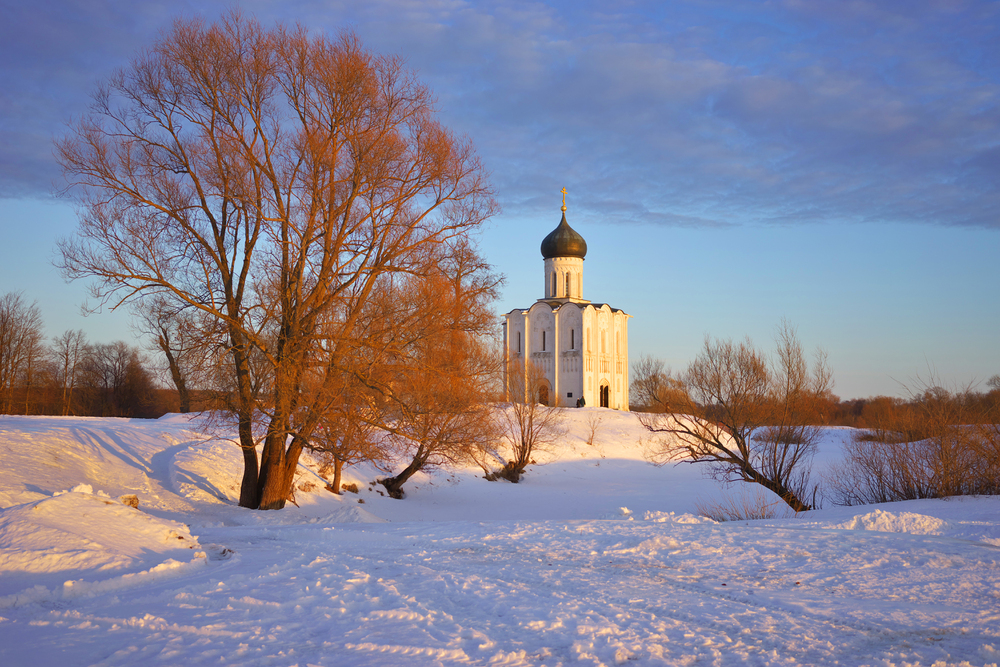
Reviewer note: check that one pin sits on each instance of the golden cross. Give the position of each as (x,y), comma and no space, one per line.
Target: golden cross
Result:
(564,198)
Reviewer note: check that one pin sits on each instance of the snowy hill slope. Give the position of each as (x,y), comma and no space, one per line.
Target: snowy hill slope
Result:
(597,557)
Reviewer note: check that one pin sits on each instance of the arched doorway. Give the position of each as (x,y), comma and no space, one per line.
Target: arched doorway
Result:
(543,394)
(605,395)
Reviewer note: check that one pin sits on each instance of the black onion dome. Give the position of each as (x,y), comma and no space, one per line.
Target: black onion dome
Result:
(563,241)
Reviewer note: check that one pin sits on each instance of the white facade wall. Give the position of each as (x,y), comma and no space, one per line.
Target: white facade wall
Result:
(586,347)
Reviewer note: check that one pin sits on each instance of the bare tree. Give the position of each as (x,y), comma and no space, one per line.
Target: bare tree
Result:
(116,381)
(20,343)
(527,425)
(440,411)
(186,341)
(266,178)
(69,351)
(348,435)
(654,385)
(34,365)
(753,418)
(594,420)
(352,427)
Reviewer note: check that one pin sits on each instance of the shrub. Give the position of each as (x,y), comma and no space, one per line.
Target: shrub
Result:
(746,506)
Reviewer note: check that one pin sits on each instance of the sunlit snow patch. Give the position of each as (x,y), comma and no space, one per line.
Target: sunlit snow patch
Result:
(896,522)
(80,535)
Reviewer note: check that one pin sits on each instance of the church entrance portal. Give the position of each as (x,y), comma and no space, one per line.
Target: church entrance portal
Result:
(605,396)
(543,394)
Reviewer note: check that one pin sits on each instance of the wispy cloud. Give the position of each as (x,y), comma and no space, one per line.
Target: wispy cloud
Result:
(694,113)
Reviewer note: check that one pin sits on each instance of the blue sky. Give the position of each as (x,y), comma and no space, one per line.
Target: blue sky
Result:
(729,163)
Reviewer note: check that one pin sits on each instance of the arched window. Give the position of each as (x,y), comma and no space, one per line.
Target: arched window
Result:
(519,342)
(572,339)
(567,284)
(552,292)
(543,341)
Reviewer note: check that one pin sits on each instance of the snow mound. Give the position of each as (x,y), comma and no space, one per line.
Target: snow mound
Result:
(671,517)
(82,534)
(896,522)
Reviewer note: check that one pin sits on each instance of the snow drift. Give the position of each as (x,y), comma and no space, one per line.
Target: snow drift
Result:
(597,558)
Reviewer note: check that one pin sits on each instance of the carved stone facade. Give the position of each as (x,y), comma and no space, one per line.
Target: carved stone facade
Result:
(580,347)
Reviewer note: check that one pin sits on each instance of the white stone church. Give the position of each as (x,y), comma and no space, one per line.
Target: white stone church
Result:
(581,347)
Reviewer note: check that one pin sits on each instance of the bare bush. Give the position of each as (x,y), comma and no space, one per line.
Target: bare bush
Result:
(751,505)
(939,443)
(527,426)
(753,418)
(594,421)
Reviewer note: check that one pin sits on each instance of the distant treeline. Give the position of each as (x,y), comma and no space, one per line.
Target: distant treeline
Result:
(71,376)
(963,406)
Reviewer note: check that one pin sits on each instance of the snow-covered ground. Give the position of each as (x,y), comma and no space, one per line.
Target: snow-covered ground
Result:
(596,558)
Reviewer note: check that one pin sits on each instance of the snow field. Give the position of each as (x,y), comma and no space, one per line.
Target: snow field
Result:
(597,558)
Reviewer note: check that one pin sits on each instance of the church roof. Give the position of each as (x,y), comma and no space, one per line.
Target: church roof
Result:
(563,241)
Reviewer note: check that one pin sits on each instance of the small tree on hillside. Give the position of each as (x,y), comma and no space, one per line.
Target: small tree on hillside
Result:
(751,417)
(351,428)
(444,366)
(527,425)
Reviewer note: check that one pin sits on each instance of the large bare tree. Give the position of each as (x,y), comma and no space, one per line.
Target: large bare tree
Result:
(267,178)
(751,416)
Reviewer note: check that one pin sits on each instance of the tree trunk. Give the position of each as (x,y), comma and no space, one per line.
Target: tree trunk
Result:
(778,488)
(291,464)
(67,400)
(338,468)
(249,497)
(277,470)
(269,483)
(394,485)
(248,488)
(175,373)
